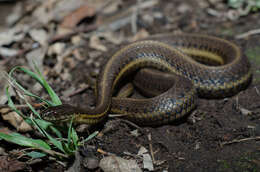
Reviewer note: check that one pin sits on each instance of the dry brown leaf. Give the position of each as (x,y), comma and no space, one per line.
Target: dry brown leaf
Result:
(17,121)
(112,37)
(117,164)
(71,20)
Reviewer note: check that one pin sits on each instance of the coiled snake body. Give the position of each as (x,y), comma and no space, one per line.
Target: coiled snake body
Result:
(201,65)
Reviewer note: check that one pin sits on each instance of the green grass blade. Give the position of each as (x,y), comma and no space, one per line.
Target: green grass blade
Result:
(35,154)
(56,131)
(11,104)
(75,138)
(24,141)
(15,84)
(55,99)
(91,136)
(72,137)
(55,142)
(69,131)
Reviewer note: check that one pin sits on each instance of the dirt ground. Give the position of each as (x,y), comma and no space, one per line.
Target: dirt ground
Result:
(220,135)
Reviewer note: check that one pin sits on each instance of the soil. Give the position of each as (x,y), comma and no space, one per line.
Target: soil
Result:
(200,142)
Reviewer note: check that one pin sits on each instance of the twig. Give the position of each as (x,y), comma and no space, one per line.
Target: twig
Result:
(257,91)
(151,146)
(241,140)
(104,152)
(132,124)
(246,34)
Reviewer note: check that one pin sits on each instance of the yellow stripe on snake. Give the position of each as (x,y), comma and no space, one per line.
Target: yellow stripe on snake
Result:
(195,65)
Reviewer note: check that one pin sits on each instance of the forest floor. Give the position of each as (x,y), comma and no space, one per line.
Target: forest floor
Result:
(223,135)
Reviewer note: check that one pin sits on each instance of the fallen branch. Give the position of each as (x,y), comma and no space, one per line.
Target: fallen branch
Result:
(246,34)
(240,140)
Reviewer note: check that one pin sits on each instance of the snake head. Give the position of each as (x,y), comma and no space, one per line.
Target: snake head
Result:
(59,114)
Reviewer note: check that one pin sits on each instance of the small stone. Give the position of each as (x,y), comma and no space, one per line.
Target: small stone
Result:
(90,163)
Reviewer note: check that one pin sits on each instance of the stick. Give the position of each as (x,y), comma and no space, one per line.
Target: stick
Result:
(241,140)
(246,34)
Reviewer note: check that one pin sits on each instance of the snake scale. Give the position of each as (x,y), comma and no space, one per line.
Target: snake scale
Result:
(193,65)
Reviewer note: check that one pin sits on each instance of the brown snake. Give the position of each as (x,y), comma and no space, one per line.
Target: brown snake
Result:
(196,65)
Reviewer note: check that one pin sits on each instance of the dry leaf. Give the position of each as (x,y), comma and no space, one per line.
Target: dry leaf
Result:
(245,111)
(65,7)
(8,52)
(15,15)
(71,20)
(12,35)
(112,7)
(117,164)
(112,37)
(35,57)
(142,151)
(39,35)
(17,121)
(96,44)
(147,162)
(42,15)
(57,48)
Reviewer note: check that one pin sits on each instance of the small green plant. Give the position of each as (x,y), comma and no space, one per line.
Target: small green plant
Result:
(55,145)
(253,5)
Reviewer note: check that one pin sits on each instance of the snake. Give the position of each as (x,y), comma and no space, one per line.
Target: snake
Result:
(172,69)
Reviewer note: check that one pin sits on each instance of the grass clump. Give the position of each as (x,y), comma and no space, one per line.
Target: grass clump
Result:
(54,143)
